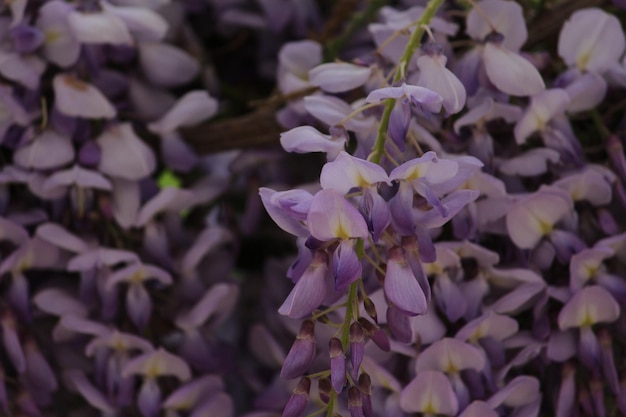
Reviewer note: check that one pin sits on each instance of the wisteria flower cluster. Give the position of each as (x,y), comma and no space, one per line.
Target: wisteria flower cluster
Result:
(448,240)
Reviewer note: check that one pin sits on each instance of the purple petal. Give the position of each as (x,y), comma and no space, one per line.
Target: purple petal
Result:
(310,290)
(347,266)
(338,77)
(331,216)
(347,172)
(450,356)
(588,306)
(191,109)
(401,286)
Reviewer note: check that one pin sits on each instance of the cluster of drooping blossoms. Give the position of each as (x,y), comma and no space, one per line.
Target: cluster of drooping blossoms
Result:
(445,267)
(112,299)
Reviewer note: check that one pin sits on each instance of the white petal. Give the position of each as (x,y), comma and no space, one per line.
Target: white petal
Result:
(23,69)
(531,163)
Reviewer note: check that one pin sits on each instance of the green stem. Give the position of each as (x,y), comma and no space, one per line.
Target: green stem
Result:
(411,47)
(350,303)
(331,404)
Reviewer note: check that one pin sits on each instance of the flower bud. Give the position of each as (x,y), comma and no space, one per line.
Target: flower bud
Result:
(302,352)
(324,387)
(299,399)
(399,324)
(357,346)
(365,386)
(354,402)
(376,334)
(370,309)
(337,364)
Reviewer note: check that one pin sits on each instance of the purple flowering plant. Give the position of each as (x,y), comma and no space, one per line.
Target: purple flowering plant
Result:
(456,206)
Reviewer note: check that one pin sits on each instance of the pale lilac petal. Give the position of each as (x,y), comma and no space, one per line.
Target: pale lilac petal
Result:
(436,77)
(59,303)
(218,405)
(148,101)
(300,56)
(520,391)
(478,409)
(99,257)
(178,154)
(511,73)
(489,324)
(191,109)
(149,398)
(99,27)
(76,98)
(331,216)
(420,96)
(90,393)
(165,65)
(586,264)
(158,363)
(534,217)
(337,77)
(332,111)
(505,17)
(430,392)
(46,151)
(209,240)
(450,356)
(124,154)
(216,304)
(77,176)
(305,139)
(543,108)
(12,232)
(588,306)
(126,202)
(530,163)
(23,69)
(347,172)
(264,346)
(143,23)
(58,236)
(60,46)
(587,185)
(188,395)
(428,167)
(310,290)
(449,298)
(168,199)
(138,304)
(591,40)
(586,92)
(288,209)
(561,346)
(519,299)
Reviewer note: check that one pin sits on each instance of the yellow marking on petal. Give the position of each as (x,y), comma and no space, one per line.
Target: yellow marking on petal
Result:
(51,36)
(137,277)
(153,370)
(544,227)
(583,60)
(430,408)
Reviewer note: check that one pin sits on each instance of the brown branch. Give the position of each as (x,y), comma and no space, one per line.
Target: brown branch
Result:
(256,129)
